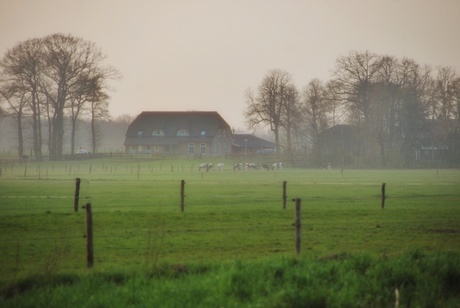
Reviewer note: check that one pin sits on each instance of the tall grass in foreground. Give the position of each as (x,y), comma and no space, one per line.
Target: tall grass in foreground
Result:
(422,280)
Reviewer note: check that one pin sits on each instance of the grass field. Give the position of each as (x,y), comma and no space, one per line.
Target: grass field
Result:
(229,215)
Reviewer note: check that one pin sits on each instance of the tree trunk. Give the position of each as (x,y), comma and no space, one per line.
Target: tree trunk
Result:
(57,135)
(72,135)
(36,126)
(381,142)
(20,134)
(289,143)
(93,134)
(50,128)
(277,140)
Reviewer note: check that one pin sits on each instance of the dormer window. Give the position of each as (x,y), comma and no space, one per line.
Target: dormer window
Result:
(140,132)
(222,132)
(158,132)
(182,132)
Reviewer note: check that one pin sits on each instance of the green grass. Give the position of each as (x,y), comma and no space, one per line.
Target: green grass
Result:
(421,280)
(139,229)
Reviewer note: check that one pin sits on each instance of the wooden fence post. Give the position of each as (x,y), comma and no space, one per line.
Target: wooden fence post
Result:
(182,185)
(284,194)
(383,195)
(89,236)
(77,195)
(297,226)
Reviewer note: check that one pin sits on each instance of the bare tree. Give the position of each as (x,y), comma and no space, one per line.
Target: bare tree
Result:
(90,97)
(99,111)
(70,63)
(354,75)
(77,104)
(445,90)
(414,83)
(268,106)
(456,99)
(56,75)
(385,104)
(383,94)
(315,109)
(16,101)
(51,80)
(21,65)
(334,102)
(291,117)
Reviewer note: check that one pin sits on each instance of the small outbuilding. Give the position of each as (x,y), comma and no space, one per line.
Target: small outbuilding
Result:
(250,145)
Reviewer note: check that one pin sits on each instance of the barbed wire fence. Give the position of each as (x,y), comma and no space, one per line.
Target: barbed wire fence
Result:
(63,204)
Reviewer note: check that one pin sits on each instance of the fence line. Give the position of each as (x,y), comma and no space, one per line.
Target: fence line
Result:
(115,234)
(247,197)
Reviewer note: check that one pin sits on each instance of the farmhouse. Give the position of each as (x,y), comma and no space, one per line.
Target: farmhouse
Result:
(191,133)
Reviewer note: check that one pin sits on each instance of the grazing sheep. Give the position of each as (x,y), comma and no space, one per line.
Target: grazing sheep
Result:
(277,166)
(237,166)
(203,166)
(250,166)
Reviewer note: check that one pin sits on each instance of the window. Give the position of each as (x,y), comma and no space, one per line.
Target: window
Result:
(191,148)
(182,132)
(203,133)
(158,132)
(140,132)
(222,132)
(203,148)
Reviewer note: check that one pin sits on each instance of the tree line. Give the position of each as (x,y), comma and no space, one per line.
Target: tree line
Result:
(396,106)
(47,81)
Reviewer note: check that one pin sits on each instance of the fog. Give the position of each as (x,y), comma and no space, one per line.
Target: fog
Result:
(202,55)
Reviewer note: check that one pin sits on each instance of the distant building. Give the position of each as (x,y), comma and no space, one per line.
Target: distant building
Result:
(183,133)
(348,145)
(338,145)
(250,145)
(440,141)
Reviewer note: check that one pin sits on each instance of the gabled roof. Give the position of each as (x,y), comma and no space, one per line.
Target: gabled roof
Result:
(340,131)
(251,141)
(199,124)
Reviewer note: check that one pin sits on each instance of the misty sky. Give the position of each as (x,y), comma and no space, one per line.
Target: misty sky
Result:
(203,54)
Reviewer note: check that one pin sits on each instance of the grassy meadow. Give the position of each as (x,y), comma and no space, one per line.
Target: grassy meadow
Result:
(233,232)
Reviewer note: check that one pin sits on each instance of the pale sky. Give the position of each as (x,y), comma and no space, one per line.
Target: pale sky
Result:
(178,55)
